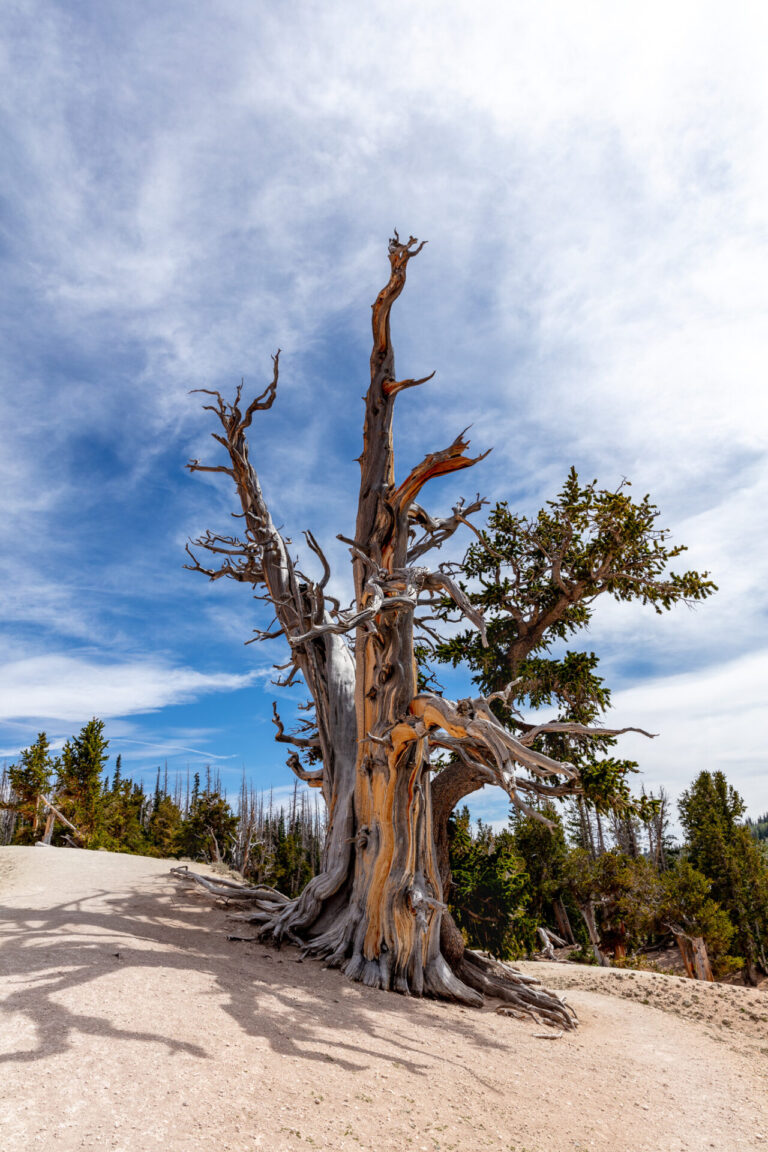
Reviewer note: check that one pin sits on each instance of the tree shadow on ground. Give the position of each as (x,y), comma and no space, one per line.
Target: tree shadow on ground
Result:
(301,1009)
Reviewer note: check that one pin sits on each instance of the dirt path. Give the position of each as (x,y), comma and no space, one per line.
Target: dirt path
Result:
(131,1023)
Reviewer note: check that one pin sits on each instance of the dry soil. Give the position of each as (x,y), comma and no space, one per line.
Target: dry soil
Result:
(131,1023)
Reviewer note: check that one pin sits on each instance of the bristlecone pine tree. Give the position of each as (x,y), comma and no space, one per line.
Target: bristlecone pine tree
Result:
(376,908)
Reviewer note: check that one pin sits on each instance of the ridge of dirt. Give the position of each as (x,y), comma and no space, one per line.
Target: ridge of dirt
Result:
(724,1010)
(131,1023)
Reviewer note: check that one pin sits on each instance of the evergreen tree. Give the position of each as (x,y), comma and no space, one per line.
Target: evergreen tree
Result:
(686,907)
(121,819)
(290,866)
(721,846)
(209,826)
(164,828)
(80,788)
(29,778)
(543,851)
(118,773)
(536,582)
(488,891)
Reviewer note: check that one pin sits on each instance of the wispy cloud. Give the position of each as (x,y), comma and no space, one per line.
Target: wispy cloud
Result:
(161,748)
(705,720)
(64,687)
(185,191)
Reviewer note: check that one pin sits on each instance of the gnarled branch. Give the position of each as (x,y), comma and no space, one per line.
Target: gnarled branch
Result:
(437,530)
(450,459)
(392,387)
(289,738)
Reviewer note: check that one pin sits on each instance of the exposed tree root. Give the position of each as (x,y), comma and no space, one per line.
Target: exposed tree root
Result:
(462,975)
(231,889)
(521,992)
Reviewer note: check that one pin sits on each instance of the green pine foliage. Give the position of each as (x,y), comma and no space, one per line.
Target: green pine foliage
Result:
(33,775)
(488,898)
(79,787)
(536,582)
(122,818)
(543,852)
(686,907)
(721,846)
(290,867)
(624,892)
(209,826)
(164,827)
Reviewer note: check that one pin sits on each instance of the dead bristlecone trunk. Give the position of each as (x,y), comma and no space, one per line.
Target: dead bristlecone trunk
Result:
(396,890)
(695,958)
(377,906)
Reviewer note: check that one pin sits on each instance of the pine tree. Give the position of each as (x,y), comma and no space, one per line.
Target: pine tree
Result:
(544,852)
(686,906)
(536,582)
(118,773)
(721,846)
(80,788)
(488,898)
(164,828)
(210,826)
(121,819)
(29,778)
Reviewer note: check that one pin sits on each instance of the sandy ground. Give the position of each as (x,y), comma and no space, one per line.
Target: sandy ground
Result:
(131,1023)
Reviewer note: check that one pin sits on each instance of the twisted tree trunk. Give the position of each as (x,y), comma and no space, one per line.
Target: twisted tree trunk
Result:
(377,906)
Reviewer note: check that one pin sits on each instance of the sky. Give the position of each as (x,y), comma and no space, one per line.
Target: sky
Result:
(187,187)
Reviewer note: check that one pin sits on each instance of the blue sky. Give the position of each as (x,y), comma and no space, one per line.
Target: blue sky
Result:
(187,187)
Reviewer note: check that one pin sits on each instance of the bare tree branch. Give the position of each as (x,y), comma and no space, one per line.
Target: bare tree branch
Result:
(450,459)
(578,730)
(392,387)
(438,530)
(196,466)
(283,738)
(315,779)
(265,400)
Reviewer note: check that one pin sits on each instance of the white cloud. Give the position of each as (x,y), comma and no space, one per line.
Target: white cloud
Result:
(193,189)
(69,688)
(703,721)
(713,720)
(163,747)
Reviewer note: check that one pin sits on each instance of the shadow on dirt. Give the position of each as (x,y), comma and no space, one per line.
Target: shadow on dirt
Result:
(301,1009)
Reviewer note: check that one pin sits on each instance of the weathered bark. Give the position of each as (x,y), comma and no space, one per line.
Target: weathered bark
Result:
(701,965)
(387,934)
(563,923)
(53,813)
(449,786)
(377,908)
(750,973)
(48,833)
(695,958)
(588,916)
(547,946)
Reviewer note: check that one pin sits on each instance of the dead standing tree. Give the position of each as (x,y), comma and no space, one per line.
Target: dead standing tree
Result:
(376,908)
